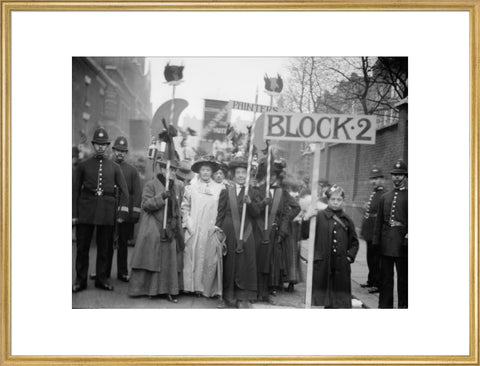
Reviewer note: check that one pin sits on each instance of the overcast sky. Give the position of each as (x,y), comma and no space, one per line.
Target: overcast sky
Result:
(223,78)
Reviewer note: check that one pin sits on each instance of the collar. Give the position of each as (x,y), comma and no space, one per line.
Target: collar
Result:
(379,188)
(99,156)
(329,212)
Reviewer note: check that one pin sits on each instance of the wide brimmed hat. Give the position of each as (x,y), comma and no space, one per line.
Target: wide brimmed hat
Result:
(376,173)
(184,171)
(208,160)
(173,163)
(222,166)
(238,162)
(277,167)
(100,136)
(399,168)
(120,144)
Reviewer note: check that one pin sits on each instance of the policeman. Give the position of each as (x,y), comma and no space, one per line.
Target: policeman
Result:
(93,207)
(125,229)
(373,258)
(391,235)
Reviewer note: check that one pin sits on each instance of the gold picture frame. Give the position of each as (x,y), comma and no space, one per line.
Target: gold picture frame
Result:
(7,7)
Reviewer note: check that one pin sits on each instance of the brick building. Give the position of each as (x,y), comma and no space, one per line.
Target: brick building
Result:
(112,92)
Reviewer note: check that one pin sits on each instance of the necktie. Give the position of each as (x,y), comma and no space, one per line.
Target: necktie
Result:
(242,189)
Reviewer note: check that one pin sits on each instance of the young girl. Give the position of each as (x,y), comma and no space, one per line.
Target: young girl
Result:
(336,245)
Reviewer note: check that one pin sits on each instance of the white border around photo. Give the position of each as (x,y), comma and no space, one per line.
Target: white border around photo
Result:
(437,322)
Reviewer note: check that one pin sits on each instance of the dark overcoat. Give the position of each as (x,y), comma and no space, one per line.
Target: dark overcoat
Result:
(291,249)
(334,244)
(132,178)
(371,212)
(90,175)
(238,269)
(155,261)
(269,253)
(391,224)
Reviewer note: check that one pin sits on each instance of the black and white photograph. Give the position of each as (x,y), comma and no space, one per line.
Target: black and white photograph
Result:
(240,182)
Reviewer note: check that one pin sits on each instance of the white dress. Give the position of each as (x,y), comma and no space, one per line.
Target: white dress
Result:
(200,261)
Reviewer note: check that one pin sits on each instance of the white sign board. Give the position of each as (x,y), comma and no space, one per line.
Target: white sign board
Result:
(251,107)
(342,128)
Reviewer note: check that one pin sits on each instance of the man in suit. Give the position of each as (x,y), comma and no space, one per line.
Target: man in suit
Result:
(371,210)
(93,207)
(391,236)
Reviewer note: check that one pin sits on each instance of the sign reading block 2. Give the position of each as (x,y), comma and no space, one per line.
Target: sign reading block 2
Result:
(342,128)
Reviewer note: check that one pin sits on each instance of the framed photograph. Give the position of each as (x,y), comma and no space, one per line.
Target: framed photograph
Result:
(239,185)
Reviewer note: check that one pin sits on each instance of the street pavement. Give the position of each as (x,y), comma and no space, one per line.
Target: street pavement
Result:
(119,299)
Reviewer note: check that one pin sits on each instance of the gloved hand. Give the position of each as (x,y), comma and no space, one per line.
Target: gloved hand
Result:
(74,221)
(267,201)
(247,200)
(166,194)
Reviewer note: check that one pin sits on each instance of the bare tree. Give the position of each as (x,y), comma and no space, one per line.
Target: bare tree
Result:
(364,87)
(394,72)
(339,84)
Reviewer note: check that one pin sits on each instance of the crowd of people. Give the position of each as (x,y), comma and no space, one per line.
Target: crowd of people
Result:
(207,229)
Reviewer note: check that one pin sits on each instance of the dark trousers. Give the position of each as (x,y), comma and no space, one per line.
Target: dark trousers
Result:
(386,276)
(373,262)
(104,239)
(125,230)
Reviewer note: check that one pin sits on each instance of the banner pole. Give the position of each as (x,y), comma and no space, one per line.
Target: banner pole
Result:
(167,175)
(249,167)
(267,182)
(313,224)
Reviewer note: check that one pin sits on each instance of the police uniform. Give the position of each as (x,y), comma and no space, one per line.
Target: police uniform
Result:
(93,207)
(368,225)
(391,228)
(125,229)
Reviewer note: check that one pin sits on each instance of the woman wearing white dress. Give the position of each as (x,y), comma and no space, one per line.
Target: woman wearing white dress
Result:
(203,255)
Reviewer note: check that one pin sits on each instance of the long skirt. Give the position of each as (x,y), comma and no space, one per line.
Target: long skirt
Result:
(292,255)
(163,281)
(239,270)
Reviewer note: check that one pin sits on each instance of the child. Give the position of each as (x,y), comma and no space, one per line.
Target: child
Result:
(336,245)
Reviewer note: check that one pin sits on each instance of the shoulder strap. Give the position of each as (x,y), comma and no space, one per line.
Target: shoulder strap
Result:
(277,196)
(234,209)
(340,222)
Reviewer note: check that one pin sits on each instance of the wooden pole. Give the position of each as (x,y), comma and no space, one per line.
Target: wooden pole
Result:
(167,175)
(269,162)
(249,167)
(313,224)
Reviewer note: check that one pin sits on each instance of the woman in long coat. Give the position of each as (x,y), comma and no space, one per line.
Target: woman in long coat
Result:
(239,264)
(199,212)
(155,261)
(336,246)
(270,243)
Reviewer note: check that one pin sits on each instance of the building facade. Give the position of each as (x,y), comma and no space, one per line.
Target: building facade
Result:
(114,93)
